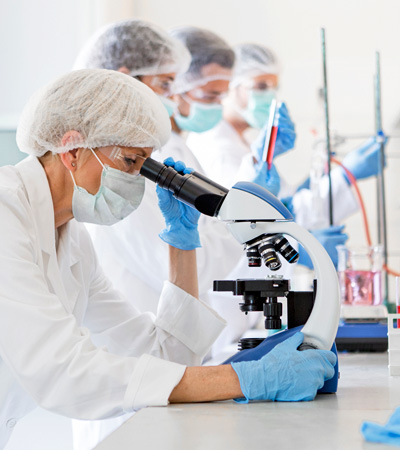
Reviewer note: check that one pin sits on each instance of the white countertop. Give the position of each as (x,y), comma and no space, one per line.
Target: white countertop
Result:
(332,421)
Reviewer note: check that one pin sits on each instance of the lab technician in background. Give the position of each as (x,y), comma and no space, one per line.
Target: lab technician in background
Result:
(146,52)
(87,135)
(227,156)
(202,63)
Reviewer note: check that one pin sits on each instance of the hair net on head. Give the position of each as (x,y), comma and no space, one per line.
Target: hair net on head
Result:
(141,47)
(253,60)
(104,106)
(205,48)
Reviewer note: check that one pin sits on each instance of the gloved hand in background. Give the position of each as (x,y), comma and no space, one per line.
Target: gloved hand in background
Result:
(384,434)
(329,238)
(285,138)
(181,220)
(268,179)
(286,374)
(363,162)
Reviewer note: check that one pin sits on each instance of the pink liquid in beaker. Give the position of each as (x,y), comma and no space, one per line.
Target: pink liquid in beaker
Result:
(361,287)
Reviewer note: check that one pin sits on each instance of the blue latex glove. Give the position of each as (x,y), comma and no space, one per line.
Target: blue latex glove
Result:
(385,434)
(304,185)
(286,374)
(268,179)
(363,162)
(180,219)
(285,138)
(329,238)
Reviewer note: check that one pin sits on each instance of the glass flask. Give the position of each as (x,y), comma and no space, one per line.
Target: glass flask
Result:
(360,275)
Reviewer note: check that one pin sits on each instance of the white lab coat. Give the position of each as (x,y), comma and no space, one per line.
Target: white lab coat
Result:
(51,299)
(226,158)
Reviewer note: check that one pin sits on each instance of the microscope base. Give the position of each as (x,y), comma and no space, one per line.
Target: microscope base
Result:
(269,343)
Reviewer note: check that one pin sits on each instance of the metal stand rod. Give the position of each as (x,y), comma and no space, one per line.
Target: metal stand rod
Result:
(328,140)
(380,180)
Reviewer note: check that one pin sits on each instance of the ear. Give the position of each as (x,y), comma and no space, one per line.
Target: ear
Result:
(70,159)
(124,69)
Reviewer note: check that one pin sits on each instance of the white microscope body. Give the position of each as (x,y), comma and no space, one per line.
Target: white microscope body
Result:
(249,212)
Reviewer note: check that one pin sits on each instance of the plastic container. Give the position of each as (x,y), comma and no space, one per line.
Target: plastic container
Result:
(394,345)
(360,275)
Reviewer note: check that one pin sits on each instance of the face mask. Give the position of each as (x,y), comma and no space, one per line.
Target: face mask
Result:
(119,194)
(258,106)
(202,117)
(169,104)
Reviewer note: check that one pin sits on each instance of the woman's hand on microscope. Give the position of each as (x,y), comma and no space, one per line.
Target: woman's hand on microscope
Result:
(181,220)
(286,374)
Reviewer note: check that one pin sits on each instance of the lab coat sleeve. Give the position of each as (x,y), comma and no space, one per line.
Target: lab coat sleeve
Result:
(183,330)
(52,358)
(344,201)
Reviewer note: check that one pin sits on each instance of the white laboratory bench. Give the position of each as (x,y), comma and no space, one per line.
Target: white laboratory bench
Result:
(332,421)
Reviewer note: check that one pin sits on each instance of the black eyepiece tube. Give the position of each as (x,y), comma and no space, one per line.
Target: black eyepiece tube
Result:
(194,189)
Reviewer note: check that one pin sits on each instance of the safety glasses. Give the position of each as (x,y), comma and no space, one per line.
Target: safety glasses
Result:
(163,85)
(124,160)
(206,97)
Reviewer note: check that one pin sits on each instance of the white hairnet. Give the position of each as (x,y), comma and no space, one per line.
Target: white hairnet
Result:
(141,47)
(205,48)
(253,60)
(106,108)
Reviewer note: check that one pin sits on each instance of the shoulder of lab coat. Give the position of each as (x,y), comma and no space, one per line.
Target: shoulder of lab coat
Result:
(220,152)
(344,201)
(50,356)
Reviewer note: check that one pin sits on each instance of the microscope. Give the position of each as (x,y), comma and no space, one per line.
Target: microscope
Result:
(259,221)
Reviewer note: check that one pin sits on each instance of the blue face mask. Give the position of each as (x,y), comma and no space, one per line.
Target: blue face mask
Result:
(169,104)
(119,194)
(258,106)
(202,117)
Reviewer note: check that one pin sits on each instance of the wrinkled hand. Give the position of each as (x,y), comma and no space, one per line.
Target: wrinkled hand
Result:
(285,139)
(268,179)
(181,220)
(286,374)
(329,238)
(363,162)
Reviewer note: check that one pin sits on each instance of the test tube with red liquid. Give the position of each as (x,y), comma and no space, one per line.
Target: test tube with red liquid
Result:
(272,140)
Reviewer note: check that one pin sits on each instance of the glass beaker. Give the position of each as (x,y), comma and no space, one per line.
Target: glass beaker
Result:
(360,275)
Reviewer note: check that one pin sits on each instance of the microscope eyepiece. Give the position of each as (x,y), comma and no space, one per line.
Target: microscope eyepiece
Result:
(194,189)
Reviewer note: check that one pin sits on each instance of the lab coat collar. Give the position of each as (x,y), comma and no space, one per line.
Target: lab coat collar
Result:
(57,264)
(38,193)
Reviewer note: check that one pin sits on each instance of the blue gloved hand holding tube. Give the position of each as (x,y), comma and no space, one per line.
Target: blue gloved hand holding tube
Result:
(363,162)
(330,238)
(285,139)
(268,179)
(181,220)
(285,374)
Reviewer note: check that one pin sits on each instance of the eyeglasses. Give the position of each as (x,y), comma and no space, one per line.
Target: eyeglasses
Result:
(123,159)
(165,85)
(260,85)
(207,97)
